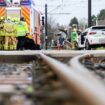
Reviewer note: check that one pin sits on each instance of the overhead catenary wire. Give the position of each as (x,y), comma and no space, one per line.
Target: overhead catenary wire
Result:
(61,5)
(76,7)
(57,13)
(55,8)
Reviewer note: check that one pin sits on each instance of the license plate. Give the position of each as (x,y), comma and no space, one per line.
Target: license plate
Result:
(102,40)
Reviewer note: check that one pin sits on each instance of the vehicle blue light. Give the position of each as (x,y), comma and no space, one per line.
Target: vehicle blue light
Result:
(25,2)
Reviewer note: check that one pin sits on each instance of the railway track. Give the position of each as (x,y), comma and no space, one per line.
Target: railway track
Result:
(52,77)
(49,88)
(95,63)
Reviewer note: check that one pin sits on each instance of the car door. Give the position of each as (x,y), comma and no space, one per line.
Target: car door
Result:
(83,37)
(79,39)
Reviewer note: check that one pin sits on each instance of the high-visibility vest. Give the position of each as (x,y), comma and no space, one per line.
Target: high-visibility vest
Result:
(74,36)
(22,28)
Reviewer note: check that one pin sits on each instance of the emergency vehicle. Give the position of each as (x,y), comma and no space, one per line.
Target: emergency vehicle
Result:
(27,9)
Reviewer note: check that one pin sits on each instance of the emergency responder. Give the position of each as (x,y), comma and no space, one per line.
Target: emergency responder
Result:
(1,32)
(10,35)
(74,37)
(29,42)
(22,30)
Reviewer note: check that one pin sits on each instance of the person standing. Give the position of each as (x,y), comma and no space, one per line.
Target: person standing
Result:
(22,30)
(10,35)
(1,32)
(74,37)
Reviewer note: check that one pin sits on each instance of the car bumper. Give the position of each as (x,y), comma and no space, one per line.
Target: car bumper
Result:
(97,42)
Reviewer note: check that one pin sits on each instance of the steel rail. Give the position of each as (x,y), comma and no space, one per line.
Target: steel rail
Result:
(75,62)
(54,53)
(86,90)
(78,67)
(33,53)
(63,53)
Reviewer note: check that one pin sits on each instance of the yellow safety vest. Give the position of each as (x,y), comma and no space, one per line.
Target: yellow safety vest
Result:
(22,29)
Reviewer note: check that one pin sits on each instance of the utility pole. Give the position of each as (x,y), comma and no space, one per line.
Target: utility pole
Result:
(11,1)
(89,13)
(46,34)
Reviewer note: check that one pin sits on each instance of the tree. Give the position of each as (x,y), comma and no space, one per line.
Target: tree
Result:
(51,28)
(101,15)
(73,21)
(83,23)
(93,18)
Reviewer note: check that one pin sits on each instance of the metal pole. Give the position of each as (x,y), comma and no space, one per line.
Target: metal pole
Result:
(11,1)
(36,41)
(46,26)
(89,13)
(36,37)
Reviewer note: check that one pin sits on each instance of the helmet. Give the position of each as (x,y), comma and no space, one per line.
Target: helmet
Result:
(17,19)
(74,30)
(2,19)
(8,18)
(13,20)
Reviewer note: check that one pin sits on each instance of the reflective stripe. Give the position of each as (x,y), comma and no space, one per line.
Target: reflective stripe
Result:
(5,47)
(14,47)
(25,12)
(2,12)
(1,46)
(11,47)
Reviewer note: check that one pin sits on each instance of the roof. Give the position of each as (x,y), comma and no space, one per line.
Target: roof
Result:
(99,26)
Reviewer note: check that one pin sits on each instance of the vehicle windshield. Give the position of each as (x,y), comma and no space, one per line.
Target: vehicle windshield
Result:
(99,28)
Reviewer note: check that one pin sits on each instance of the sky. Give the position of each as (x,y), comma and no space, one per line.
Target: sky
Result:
(67,9)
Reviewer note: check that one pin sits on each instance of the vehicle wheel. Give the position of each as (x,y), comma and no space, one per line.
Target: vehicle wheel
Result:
(87,46)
